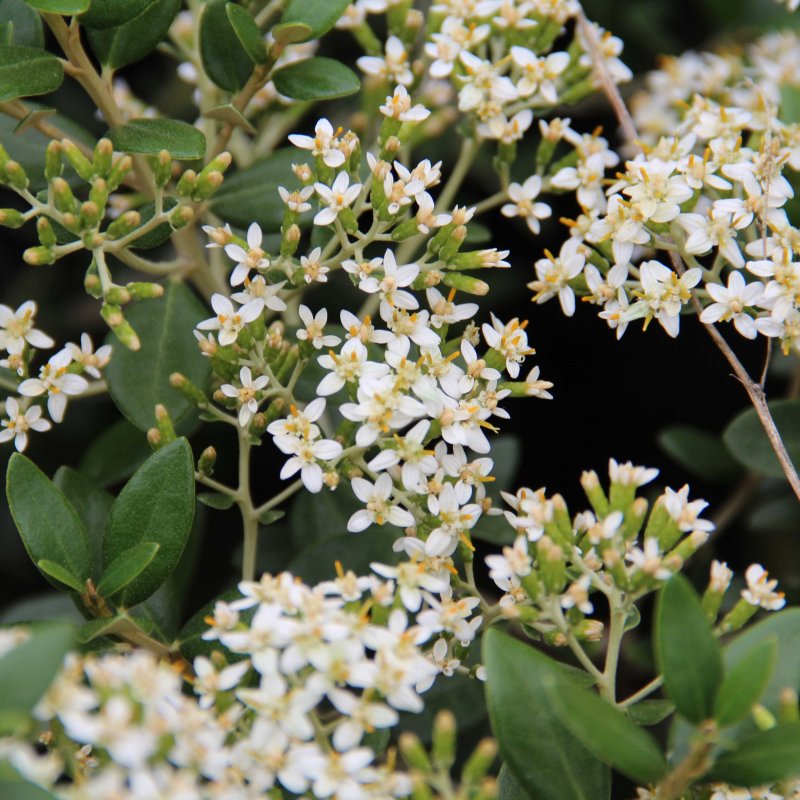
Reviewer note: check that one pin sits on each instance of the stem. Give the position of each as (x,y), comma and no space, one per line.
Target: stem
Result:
(245,503)
(693,766)
(469,149)
(18,111)
(646,690)
(279,498)
(616,631)
(557,616)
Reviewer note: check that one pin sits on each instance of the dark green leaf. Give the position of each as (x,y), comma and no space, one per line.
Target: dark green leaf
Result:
(650,712)
(28,670)
(151,136)
(225,60)
(125,567)
(745,683)
(251,194)
(271,516)
(608,733)
(747,442)
(116,453)
(246,30)
(117,47)
(92,504)
(316,79)
(353,551)
(111,13)
(159,234)
(26,24)
(107,626)
(687,653)
(138,380)
(49,526)
(156,505)
(319,15)
(699,452)
(67,7)
(60,575)
(27,71)
(548,762)
(765,757)
(221,502)
(507,786)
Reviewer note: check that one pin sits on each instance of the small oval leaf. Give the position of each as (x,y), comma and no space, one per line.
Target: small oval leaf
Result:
(319,15)
(117,47)
(58,573)
(688,655)
(247,32)
(316,79)
(745,683)
(125,567)
(224,57)
(156,505)
(27,71)
(111,13)
(765,757)
(49,526)
(66,7)
(699,452)
(151,136)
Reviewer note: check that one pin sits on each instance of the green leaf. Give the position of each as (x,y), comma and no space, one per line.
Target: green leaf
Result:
(608,733)
(745,683)
(316,79)
(650,712)
(699,452)
(507,786)
(26,24)
(49,526)
(27,71)
(217,500)
(765,757)
(61,575)
(66,7)
(116,453)
(92,504)
(138,380)
(247,32)
(156,505)
(790,103)
(548,762)
(125,567)
(151,136)
(687,653)
(28,670)
(111,13)
(251,194)
(224,57)
(747,442)
(117,47)
(106,626)
(230,114)
(319,15)
(291,32)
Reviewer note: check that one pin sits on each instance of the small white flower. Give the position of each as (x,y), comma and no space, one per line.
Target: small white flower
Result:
(16,328)
(297,201)
(523,205)
(395,278)
(730,303)
(394,66)
(57,383)
(313,333)
(338,196)
(17,425)
(760,590)
(246,260)
(305,459)
(313,270)
(245,395)
(90,359)
(379,508)
(398,106)
(321,144)
(229,321)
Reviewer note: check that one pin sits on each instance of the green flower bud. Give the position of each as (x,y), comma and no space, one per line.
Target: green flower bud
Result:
(218,164)
(737,616)
(205,464)
(53,166)
(186,183)
(123,225)
(465,283)
(206,185)
(191,392)
(594,492)
(763,717)
(414,753)
(122,166)
(91,281)
(99,192)
(120,326)
(634,519)
(154,439)
(164,424)
(11,218)
(479,762)
(788,707)
(181,217)
(77,159)
(142,290)
(162,168)
(103,151)
(443,739)
(63,198)
(91,214)
(15,175)
(36,256)
(118,295)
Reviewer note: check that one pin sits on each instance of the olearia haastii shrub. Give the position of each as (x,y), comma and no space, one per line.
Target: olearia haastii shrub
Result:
(288,686)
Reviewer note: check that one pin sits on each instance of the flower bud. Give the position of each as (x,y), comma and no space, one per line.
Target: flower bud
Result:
(488,790)
(164,424)
(120,326)
(154,439)
(191,392)
(90,214)
(465,283)
(187,183)
(594,492)
(36,256)
(101,163)
(182,216)
(443,739)
(63,198)
(99,192)
(162,168)
(77,159)
(218,164)
(122,166)
(205,464)
(414,753)
(206,185)
(788,707)
(634,519)
(142,290)
(11,218)
(53,166)
(479,762)
(92,283)
(118,295)
(123,225)
(763,717)
(15,175)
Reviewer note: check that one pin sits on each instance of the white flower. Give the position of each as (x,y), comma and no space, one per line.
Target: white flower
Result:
(313,270)
(305,459)
(348,366)
(555,273)
(252,258)
(398,106)
(90,359)
(245,395)
(523,205)
(338,196)
(261,294)
(445,311)
(321,144)
(686,514)
(379,509)
(16,328)
(760,590)
(314,327)
(17,425)
(730,304)
(505,130)
(57,383)
(539,74)
(229,321)
(394,66)
(510,340)
(648,560)
(297,201)
(389,288)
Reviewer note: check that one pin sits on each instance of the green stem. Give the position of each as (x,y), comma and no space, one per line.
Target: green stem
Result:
(646,690)
(279,498)
(619,614)
(245,503)
(469,149)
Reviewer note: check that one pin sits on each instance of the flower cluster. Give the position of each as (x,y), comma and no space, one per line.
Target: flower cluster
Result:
(59,378)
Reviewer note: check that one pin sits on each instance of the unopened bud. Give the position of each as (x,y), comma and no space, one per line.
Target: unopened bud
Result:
(182,216)
(164,424)
(120,326)
(77,159)
(11,218)
(414,753)
(218,164)
(101,163)
(123,225)
(16,175)
(36,256)
(763,717)
(63,198)
(258,424)
(594,492)
(479,762)
(162,168)
(99,192)
(788,706)
(92,282)
(303,173)
(489,790)
(205,464)
(187,183)
(122,166)
(443,739)
(118,295)
(154,438)
(142,290)
(465,283)
(191,392)
(90,214)
(206,185)
(53,166)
